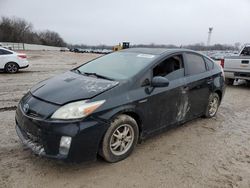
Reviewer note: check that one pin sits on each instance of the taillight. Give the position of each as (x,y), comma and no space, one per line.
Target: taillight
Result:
(23,56)
(222,62)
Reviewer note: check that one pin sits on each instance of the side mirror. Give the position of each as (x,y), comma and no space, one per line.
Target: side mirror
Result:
(159,81)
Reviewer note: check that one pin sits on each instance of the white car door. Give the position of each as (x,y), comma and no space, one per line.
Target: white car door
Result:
(2,59)
(5,57)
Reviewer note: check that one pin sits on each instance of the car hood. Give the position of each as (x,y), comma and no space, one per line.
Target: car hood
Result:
(71,86)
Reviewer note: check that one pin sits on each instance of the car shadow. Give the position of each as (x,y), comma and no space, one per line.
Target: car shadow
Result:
(240,84)
(20,72)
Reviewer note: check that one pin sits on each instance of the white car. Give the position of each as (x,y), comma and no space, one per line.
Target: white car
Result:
(11,61)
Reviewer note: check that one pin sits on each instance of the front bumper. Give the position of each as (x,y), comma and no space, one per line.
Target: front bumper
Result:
(23,63)
(23,67)
(36,147)
(43,136)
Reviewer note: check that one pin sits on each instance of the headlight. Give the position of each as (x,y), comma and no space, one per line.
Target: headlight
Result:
(76,110)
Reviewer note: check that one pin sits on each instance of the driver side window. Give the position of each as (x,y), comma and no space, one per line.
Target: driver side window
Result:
(171,68)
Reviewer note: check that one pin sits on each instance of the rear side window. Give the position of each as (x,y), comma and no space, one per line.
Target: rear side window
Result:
(246,51)
(195,64)
(4,52)
(210,64)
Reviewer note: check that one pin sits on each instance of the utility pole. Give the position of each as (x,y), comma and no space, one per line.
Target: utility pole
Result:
(210,29)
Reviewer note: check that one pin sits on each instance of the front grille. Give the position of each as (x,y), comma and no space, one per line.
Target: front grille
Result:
(36,108)
(33,138)
(31,141)
(32,113)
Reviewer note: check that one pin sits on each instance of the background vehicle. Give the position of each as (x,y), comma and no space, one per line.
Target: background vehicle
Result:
(7,47)
(11,61)
(237,67)
(64,49)
(124,45)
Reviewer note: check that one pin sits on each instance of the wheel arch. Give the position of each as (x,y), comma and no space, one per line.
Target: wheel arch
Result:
(12,62)
(136,117)
(125,110)
(130,111)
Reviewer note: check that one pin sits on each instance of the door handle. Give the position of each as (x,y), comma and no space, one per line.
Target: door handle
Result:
(245,62)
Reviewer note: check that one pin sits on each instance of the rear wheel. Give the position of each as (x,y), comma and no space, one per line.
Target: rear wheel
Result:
(213,105)
(229,81)
(248,83)
(11,67)
(120,139)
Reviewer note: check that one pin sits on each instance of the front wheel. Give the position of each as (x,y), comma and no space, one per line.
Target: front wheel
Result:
(11,67)
(213,105)
(120,139)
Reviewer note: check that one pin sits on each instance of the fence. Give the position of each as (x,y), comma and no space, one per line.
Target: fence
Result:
(24,46)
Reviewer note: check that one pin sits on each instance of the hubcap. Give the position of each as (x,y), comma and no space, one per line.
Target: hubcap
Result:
(11,67)
(122,139)
(213,106)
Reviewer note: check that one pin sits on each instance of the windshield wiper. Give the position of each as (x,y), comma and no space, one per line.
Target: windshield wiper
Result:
(77,70)
(92,74)
(96,75)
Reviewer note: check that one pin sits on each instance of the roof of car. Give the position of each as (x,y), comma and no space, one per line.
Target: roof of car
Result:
(154,51)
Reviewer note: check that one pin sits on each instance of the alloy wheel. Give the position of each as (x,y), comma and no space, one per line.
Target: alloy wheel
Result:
(122,139)
(213,106)
(11,68)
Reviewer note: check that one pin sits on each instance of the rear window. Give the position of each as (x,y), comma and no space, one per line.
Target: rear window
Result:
(195,64)
(210,64)
(4,52)
(246,51)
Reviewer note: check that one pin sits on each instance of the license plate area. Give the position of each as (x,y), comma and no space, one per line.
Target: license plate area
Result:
(242,74)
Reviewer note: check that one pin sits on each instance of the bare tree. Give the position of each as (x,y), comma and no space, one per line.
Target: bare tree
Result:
(18,30)
(51,38)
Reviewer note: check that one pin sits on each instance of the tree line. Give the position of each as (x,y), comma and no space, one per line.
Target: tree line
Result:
(198,46)
(19,30)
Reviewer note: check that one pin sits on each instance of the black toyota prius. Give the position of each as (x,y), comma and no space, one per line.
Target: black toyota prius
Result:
(105,106)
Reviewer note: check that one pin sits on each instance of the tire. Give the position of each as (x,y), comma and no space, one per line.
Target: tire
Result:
(229,81)
(116,147)
(11,67)
(248,83)
(213,105)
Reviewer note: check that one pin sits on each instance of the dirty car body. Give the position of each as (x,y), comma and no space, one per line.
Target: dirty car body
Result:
(134,82)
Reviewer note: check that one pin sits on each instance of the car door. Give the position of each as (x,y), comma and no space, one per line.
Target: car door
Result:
(198,82)
(4,55)
(160,108)
(2,59)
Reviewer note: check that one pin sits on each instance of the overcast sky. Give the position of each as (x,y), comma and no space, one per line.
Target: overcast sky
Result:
(138,21)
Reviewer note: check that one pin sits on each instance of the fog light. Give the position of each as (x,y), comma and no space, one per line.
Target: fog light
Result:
(65,145)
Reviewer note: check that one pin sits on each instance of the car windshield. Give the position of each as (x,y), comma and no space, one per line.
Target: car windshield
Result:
(118,65)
